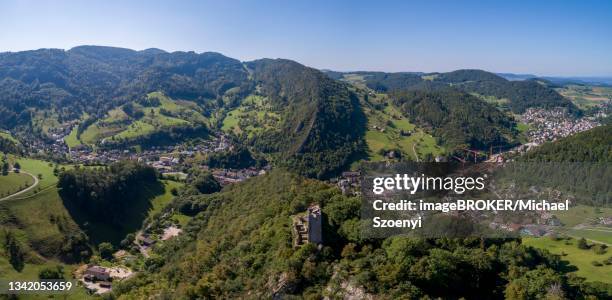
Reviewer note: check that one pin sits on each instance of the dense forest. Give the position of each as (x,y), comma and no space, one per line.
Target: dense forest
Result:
(106,193)
(238,158)
(239,245)
(456,118)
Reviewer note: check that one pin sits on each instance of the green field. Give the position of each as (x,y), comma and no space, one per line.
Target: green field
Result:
(252,116)
(501,102)
(161,201)
(168,113)
(72,140)
(355,79)
(597,234)
(579,258)
(384,133)
(14,182)
(36,167)
(582,214)
(585,96)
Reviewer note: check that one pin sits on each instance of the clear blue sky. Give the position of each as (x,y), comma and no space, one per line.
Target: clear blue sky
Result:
(542,37)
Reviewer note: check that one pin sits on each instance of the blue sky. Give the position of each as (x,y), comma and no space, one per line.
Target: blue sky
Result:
(563,38)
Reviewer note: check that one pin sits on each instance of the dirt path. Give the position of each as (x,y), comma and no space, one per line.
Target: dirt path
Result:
(24,190)
(415,153)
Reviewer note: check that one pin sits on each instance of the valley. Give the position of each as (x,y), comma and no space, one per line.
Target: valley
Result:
(185,170)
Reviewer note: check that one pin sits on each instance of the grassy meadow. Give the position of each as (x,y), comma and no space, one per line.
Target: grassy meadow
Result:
(14,182)
(580,258)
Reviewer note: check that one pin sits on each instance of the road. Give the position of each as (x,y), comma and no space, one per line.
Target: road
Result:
(24,190)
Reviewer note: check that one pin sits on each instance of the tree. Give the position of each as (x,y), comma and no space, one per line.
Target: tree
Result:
(582,244)
(206,183)
(14,250)
(52,273)
(128,241)
(17,165)
(5,168)
(106,250)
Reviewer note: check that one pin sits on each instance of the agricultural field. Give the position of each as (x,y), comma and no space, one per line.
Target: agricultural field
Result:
(582,259)
(500,102)
(159,113)
(252,116)
(390,130)
(36,168)
(355,79)
(585,96)
(523,128)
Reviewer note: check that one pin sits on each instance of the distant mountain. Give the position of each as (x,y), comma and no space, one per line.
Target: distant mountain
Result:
(516,95)
(512,76)
(599,81)
(588,80)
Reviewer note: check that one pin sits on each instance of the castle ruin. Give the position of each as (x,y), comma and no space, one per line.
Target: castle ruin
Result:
(308,227)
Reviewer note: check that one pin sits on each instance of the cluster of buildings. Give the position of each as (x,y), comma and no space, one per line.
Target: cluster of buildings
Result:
(99,279)
(155,156)
(229,176)
(349,182)
(549,125)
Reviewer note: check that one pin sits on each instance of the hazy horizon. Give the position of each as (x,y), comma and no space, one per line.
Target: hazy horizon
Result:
(545,38)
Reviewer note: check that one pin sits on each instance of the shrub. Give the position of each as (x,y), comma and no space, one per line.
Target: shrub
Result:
(596,263)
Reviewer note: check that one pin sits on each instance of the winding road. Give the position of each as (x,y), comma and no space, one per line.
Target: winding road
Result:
(24,190)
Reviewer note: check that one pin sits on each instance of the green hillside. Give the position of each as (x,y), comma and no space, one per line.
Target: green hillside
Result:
(582,259)
(389,130)
(593,145)
(239,245)
(315,125)
(8,143)
(155,113)
(122,98)
(457,119)
(14,182)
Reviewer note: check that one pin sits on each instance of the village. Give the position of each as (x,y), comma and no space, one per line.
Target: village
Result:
(550,125)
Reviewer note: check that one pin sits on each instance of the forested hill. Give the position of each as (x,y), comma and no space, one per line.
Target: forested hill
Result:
(95,79)
(458,119)
(516,95)
(239,246)
(321,126)
(520,94)
(594,145)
